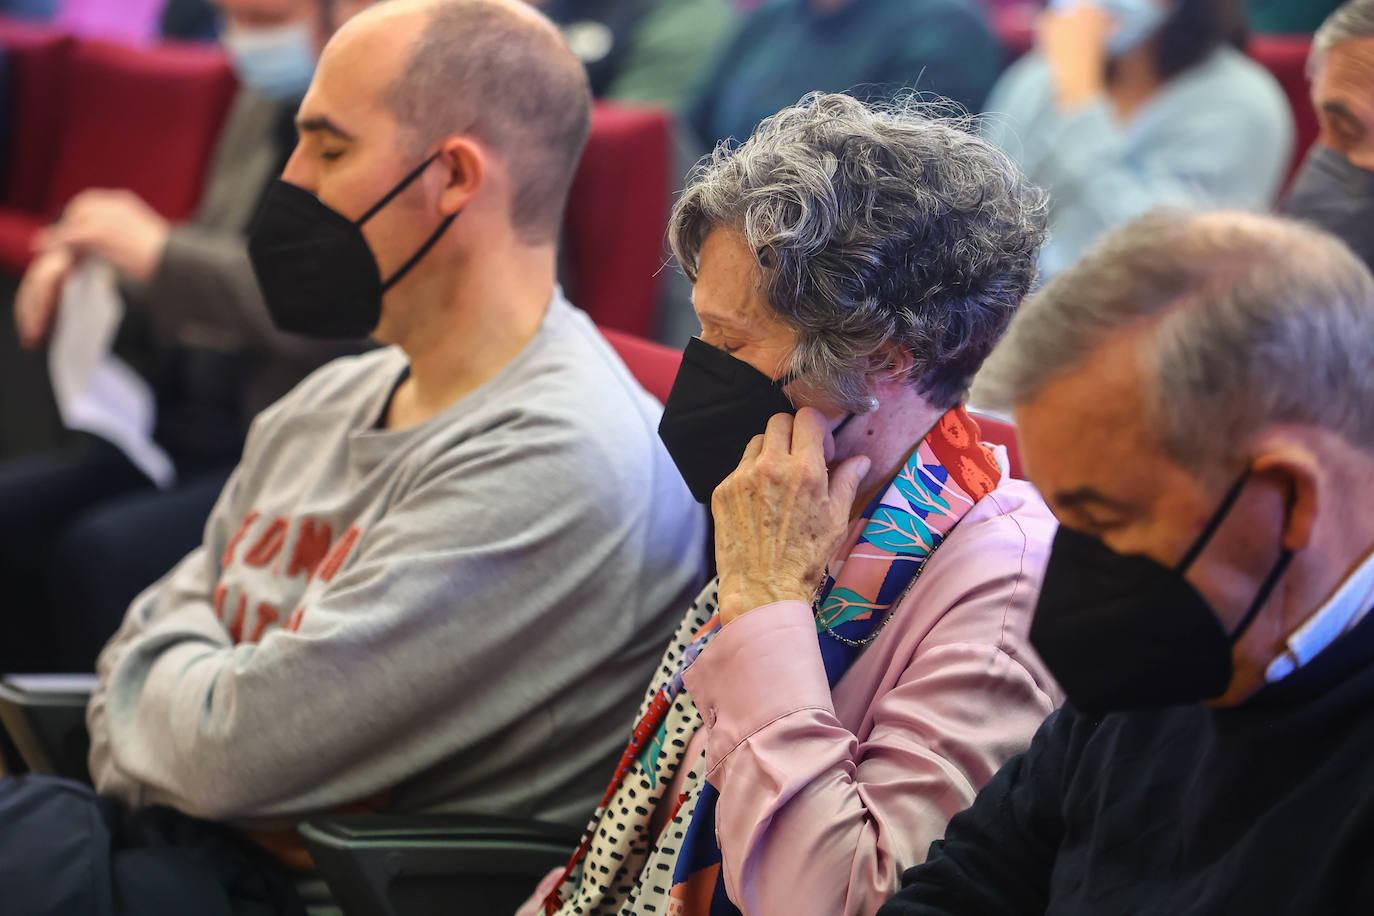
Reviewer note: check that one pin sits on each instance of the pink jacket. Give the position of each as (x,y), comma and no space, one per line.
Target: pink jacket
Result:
(826,796)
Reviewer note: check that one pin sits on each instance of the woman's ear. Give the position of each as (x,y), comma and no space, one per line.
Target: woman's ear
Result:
(894,363)
(466,163)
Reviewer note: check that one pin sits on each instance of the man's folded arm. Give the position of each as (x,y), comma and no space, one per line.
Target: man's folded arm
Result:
(437,635)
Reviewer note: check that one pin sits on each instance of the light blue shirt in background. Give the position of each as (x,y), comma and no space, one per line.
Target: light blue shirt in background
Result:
(1219,135)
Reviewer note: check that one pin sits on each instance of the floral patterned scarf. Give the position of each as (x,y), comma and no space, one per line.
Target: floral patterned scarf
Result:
(619,868)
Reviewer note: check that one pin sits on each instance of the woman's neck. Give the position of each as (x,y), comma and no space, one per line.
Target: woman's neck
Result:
(887,436)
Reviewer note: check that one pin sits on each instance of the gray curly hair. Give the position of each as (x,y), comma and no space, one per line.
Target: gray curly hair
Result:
(874,225)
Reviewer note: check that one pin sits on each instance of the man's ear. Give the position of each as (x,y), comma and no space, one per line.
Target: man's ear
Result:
(1294,469)
(466,163)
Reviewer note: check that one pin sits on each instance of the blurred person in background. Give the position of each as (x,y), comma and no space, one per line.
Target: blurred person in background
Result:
(82,530)
(869,48)
(643,51)
(1126,104)
(1335,186)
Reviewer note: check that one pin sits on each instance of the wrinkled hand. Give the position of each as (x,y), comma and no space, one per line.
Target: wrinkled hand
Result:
(1073,41)
(116,225)
(779,515)
(35,303)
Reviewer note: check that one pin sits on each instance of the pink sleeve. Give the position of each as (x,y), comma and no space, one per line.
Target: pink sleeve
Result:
(811,820)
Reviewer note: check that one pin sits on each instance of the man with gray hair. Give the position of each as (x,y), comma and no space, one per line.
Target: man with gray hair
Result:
(1196,404)
(442,570)
(1335,187)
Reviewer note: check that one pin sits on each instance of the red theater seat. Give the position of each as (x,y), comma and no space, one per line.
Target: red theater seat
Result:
(653,364)
(1285,56)
(142,119)
(36,60)
(1000,432)
(111,117)
(617,213)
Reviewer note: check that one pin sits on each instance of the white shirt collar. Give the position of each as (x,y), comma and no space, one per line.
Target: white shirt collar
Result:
(1341,612)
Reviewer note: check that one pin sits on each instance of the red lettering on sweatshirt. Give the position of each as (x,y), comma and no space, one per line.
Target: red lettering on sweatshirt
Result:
(220,592)
(268,545)
(336,557)
(293,623)
(312,545)
(239,535)
(267,615)
(236,628)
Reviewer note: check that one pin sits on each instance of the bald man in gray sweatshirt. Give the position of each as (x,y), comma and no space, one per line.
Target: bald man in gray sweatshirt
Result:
(442,571)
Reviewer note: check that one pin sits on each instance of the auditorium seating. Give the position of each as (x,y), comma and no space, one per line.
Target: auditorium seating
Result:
(97,114)
(652,363)
(1285,56)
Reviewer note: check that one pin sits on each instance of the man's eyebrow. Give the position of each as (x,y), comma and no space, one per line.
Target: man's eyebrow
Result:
(1340,110)
(1081,495)
(321,124)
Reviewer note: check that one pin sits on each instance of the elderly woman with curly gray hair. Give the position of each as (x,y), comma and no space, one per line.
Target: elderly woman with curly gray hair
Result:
(861,665)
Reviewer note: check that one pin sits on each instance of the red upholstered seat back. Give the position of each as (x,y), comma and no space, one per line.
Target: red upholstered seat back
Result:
(36,60)
(143,119)
(1000,432)
(1285,56)
(617,213)
(652,364)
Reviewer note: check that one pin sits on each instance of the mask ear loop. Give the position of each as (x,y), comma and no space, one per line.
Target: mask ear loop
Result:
(391,195)
(1270,582)
(433,237)
(1214,522)
(424,249)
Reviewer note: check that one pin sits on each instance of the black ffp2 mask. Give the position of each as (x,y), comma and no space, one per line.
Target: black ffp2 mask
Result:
(717,404)
(1126,632)
(1337,195)
(318,276)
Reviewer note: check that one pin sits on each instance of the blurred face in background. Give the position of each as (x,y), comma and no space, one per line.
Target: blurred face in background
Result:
(1343,93)
(1335,186)
(275,44)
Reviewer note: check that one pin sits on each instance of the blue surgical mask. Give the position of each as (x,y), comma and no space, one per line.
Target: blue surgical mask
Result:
(278,61)
(1135,20)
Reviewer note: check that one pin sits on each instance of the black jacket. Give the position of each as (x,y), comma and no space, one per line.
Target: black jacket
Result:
(1264,808)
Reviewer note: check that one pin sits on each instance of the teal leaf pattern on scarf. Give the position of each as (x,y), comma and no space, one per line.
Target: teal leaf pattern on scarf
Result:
(914,488)
(842,606)
(898,531)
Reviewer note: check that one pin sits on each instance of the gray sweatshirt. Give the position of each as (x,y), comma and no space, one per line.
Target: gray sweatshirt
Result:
(463,613)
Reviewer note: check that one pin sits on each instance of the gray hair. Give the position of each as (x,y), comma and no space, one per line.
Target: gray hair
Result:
(874,225)
(502,73)
(1247,320)
(1350,21)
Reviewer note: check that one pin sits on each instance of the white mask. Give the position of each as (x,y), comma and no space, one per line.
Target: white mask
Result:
(1134,20)
(278,61)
